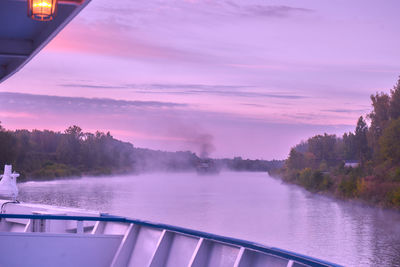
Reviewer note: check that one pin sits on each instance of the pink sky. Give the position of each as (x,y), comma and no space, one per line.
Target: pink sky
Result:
(258,76)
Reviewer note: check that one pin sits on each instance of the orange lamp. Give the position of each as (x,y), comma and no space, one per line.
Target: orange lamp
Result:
(42,10)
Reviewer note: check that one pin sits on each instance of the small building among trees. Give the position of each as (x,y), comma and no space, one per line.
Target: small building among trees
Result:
(351,163)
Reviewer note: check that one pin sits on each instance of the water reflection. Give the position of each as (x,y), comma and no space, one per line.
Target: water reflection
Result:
(250,206)
(69,193)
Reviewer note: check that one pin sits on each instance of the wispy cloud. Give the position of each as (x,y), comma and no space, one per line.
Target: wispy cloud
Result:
(247,94)
(272,11)
(253,105)
(344,110)
(220,90)
(41,103)
(259,67)
(92,86)
(190,86)
(244,8)
(194,89)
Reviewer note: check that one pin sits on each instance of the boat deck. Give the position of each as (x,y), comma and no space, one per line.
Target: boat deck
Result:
(39,235)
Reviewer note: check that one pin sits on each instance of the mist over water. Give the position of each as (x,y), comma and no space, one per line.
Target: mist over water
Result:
(251,206)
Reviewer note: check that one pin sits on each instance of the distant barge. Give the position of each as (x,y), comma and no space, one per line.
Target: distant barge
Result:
(207,167)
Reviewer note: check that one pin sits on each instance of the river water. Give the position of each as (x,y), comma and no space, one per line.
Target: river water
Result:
(251,206)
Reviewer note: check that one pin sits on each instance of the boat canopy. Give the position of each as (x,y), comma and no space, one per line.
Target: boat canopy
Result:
(21,37)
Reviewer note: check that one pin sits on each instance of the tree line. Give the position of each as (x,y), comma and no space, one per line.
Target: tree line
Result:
(43,155)
(47,154)
(321,162)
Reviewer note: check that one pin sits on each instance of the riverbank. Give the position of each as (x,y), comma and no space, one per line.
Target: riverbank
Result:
(348,187)
(61,172)
(58,171)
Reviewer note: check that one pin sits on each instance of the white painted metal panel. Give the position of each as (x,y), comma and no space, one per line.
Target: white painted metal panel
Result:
(211,253)
(181,250)
(161,253)
(222,255)
(124,252)
(17,227)
(42,249)
(145,245)
(115,228)
(239,257)
(173,250)
(49,226)
(296,264)
(99,228)
(258,259)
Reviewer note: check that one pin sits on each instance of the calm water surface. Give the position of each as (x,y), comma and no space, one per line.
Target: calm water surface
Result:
(251,206)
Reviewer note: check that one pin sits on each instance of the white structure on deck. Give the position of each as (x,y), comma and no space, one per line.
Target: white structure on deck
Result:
(8,184)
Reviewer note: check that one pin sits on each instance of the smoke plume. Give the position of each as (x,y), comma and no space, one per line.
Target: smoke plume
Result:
(204,144)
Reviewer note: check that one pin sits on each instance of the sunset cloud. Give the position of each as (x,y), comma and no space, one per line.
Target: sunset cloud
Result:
(111,38)
(14,115)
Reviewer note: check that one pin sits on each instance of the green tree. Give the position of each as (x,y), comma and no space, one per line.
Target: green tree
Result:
(74,131)
(361,141)
(68,149)
(379,118)
(296,160)
(395,101)
(323,147)
(349,146)
(7,147)
(390,142)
